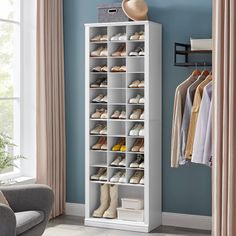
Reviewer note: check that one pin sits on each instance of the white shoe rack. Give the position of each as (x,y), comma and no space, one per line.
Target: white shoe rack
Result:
(149,69)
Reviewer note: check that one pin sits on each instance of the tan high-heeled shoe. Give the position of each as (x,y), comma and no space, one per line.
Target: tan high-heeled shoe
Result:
(137,145)
(99,143)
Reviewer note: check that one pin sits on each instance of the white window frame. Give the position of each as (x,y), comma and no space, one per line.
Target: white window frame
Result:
(27,96)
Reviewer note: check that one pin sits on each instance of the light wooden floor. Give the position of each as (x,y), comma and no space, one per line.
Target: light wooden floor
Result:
(73,226)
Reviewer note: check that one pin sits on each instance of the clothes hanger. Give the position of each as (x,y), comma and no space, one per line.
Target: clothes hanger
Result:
(196,72)
(205,71)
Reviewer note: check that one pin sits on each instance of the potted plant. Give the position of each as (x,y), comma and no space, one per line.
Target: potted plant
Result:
(7,158)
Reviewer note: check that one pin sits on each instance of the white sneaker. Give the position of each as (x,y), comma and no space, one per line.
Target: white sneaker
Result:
(135,179)
(137,162)
(135,100)
(141,131)
(117,161)
(115,178)
(135,130)
(123,178)
(141,100)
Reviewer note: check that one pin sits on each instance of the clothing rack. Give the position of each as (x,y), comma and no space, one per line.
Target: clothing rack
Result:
(185,51)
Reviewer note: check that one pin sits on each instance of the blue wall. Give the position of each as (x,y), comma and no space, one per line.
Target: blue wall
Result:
(186,189)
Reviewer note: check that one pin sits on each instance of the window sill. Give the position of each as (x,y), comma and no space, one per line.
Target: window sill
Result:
(18,181)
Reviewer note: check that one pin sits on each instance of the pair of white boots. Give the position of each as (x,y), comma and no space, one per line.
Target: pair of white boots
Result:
(108,202)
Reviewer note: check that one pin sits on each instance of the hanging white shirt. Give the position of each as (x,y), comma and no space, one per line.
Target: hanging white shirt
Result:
(207,155)
(201,126)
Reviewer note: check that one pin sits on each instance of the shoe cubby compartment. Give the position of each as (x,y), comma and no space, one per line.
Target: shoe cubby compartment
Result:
(94,93)
(94,47)
(100,62)
(114,47)
(112,156)
(133,93)
(112,141)
(130,126)
(134,76)
(135,64)
(130,143)
(131,157)
(93,140)
(131,109)
(116,128)
(138,66)
(117,81)
(132,29)
(117,96)
(98,159)
(112,171)
(95,76)
(113,108)
(97,31)
(132,46)
(114,30)
(94,171)
(95,123)
(130,173)
(93,107)
(116,62)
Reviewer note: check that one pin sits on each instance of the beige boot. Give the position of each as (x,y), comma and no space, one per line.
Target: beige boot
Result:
(111,212)
(104,201)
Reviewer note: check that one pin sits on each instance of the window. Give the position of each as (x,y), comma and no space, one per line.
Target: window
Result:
(17,81)
(10,71)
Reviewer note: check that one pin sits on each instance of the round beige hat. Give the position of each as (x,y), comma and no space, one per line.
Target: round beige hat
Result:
(135,9)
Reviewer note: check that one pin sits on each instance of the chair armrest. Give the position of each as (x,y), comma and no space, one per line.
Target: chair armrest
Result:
(7,221)
(29,197)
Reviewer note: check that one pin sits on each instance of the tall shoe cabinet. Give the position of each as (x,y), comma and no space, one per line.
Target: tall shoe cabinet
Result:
(149,69)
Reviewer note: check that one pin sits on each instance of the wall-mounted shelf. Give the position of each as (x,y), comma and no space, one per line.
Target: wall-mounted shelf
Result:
(185,51)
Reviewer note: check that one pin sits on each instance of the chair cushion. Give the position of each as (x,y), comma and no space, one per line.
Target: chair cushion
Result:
(26,220)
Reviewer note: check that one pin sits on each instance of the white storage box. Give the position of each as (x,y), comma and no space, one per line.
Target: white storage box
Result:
(132,203)
(201,44)
(130,215)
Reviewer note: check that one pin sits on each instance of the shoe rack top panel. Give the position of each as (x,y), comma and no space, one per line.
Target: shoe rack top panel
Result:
(125,23)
